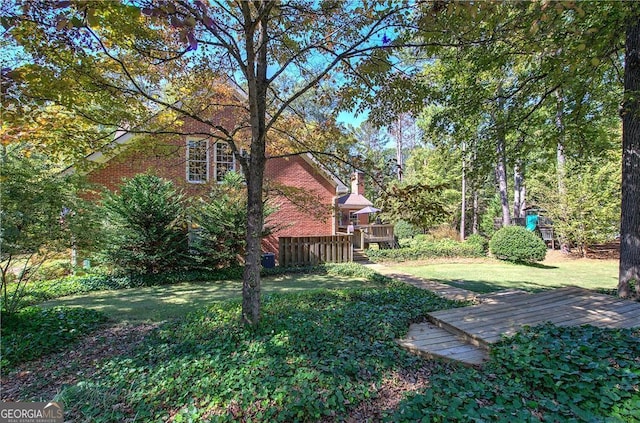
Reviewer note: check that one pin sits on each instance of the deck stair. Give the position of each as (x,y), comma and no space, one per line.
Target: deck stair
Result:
(359,256)
(466,334)
(486,323)
(438,338)
(388,245)
(431,341)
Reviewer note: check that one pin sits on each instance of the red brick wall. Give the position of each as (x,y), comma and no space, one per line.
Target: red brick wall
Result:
(164,156)
(166,160)
(305,211)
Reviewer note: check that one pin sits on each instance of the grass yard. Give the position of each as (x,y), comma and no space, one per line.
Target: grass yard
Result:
(488,275)
(158,303)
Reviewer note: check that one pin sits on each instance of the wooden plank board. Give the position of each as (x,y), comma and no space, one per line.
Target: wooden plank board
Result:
(624,316)
(490,334)
(440,289)
(571,306)
(442,347)
(534,303)
(432,342)
(489,327)
(455,333)
(490,309)
(538,311)
(471,358)
(506,295)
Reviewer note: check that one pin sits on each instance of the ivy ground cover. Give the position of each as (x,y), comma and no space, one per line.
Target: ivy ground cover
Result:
(315,355)
(33,332)
(543,374)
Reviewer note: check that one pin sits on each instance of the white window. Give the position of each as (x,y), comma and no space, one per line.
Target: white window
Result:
(197,161)
(224,160)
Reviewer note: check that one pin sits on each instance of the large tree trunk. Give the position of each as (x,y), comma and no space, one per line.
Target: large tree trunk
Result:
(463,206)
(257,85)
(501,159)
(399,147)
(475,226)
(501,177)
(519,190)
(561,171)
(630,219)
(251,275)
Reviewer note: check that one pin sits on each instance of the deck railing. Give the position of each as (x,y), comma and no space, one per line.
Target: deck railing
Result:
(312,250)
(367,234)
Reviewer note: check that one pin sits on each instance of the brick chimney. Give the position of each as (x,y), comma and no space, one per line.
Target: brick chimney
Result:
(357,183)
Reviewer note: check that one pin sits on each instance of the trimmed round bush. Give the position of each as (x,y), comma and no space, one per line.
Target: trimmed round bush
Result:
(517,244)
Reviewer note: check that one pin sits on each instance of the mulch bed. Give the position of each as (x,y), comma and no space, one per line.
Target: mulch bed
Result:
(42,379)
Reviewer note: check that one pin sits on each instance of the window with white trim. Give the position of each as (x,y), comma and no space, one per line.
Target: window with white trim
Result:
(223,159)
(197,161)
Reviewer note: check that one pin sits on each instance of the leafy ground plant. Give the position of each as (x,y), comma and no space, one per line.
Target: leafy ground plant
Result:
(546,373)
(33,332)
(315,354)
(420,250)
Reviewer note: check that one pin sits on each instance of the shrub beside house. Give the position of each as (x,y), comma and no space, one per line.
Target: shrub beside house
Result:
(302,192)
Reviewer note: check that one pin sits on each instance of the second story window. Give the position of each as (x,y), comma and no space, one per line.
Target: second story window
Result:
(197,161)
(224,160)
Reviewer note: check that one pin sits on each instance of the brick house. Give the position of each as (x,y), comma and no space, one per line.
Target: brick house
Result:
(350,203)
(304,193)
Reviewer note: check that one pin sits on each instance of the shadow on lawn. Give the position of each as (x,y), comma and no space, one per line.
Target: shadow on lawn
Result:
(537,265)
(484,287)
(166,302)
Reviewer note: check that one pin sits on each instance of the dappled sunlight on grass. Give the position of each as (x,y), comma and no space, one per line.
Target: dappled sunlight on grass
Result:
(158,303)
(313,356)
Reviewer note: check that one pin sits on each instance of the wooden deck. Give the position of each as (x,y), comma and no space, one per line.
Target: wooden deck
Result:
(466,334)
(440,289)
(485,324)
(430,341)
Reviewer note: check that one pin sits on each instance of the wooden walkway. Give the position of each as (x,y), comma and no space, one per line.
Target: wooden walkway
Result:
(466,334)
(485,324)
(441,289)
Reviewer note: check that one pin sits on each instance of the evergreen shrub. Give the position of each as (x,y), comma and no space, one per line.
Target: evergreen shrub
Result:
(145,231)
(517,244)
(404,229)
(221,217)
(420,249)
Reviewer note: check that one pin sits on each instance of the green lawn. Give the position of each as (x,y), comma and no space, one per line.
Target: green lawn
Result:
(487,275)
(158,303)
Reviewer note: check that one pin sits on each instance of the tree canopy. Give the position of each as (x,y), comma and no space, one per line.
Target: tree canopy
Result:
(522,83)
(110,62)
(513,84)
